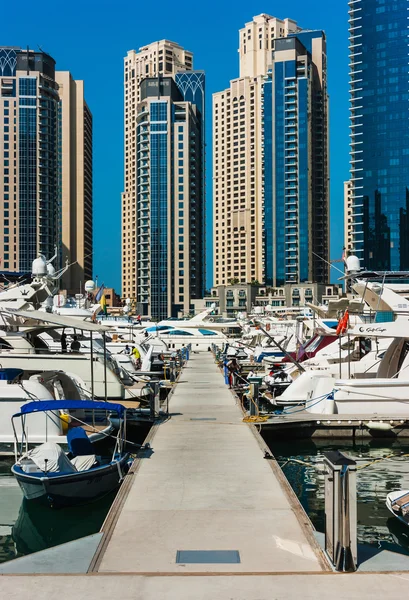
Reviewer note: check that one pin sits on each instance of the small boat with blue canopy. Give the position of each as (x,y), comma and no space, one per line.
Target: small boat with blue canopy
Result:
(49,474)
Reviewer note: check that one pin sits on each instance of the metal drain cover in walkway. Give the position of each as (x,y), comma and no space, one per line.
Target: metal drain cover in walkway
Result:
(208,556)
(203,419)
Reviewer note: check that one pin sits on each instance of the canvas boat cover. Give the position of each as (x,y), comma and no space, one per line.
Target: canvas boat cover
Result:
(51,458)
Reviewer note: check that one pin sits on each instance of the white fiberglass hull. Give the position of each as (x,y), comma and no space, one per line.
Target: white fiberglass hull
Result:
(198,344)
(390,499)
(387,397)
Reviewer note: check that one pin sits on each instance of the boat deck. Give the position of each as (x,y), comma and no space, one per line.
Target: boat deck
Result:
(205,500)
(299,422)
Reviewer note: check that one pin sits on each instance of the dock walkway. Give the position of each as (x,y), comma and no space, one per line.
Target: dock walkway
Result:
(206,487)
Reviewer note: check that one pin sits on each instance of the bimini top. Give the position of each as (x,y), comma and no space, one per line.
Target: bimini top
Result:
(43,405)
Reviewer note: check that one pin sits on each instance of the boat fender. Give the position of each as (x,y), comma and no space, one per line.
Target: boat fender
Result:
(377,426)
(65,421)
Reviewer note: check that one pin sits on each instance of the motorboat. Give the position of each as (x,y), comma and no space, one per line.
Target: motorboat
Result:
(356,357)
(18,387)
(50,475)
(21,346)
(205,319)
(24,349)
(176,337)
(398,504)
(367,368)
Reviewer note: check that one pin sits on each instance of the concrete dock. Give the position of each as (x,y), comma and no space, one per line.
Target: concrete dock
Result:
(207,488)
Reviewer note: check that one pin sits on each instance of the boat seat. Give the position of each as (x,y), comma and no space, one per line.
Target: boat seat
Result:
(28,466)
(84,462)
(79,443)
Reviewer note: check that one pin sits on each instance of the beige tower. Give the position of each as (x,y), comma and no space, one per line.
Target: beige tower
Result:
(159,58)
(238,156)
(76,181)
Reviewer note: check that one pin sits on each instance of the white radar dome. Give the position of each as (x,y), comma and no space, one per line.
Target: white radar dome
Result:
(50,269)
(89,286)
(353,264)
(39,266)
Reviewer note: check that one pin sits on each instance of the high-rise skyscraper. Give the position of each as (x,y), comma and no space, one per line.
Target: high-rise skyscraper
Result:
(163,202)
(45,165)
(377,200)
(75,167)
(270,191)
(30,217)
(295,175)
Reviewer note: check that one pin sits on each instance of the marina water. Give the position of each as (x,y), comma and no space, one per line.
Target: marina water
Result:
(376,525)
(27,527)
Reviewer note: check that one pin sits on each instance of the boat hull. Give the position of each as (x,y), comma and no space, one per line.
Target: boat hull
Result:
(72,488)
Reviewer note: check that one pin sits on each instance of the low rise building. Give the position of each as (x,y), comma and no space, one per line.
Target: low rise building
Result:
(232,299)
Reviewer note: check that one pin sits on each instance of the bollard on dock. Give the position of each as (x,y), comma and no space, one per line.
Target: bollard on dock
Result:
(340,511)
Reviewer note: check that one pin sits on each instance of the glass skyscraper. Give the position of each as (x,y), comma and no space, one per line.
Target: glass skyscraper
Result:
(169,192)
(45,165)
(295,164)
(377,197)
(29,148)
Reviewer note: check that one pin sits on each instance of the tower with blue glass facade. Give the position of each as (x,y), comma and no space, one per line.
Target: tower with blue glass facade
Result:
(270,159)
(160,59)
(169,192)
(295,161)
(43,158)
(29,191)
(377,195)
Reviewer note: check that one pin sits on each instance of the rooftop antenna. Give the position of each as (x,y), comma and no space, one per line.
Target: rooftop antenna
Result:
(28,63)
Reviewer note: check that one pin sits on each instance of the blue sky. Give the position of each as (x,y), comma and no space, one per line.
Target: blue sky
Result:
(90,39)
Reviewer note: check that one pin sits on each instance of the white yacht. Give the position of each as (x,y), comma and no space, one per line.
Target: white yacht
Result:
(18,387)
(175,337)
(204,319)
(356,357)
(24,348)
(386,391)
(33,317)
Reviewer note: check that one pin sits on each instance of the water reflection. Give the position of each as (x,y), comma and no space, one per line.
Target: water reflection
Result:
(37,527)
(376,526)
(27,527)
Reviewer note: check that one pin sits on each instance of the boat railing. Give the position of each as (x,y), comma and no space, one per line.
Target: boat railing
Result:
(45,351)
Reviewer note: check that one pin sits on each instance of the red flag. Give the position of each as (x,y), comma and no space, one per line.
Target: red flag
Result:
(343,324)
